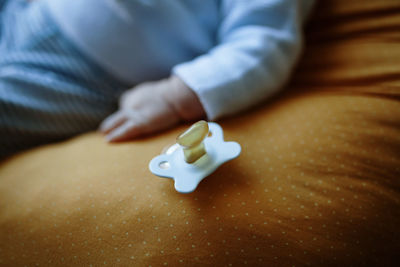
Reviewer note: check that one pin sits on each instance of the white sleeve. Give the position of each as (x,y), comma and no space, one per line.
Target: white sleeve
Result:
(258,44)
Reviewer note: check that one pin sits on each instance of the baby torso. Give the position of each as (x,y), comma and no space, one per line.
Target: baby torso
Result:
(138,40)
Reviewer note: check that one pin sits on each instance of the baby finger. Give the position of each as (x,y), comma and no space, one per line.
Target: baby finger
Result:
(129,129)
(113,121)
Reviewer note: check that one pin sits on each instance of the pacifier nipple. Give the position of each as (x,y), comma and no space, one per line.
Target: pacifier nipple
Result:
(192,141)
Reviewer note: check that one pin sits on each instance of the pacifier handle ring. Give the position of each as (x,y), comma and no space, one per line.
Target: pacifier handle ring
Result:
(157,161)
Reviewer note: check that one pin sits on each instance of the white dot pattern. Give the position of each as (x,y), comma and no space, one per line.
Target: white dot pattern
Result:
(251,211)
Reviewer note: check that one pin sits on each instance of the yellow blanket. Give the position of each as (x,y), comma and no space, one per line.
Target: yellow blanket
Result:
(317,182)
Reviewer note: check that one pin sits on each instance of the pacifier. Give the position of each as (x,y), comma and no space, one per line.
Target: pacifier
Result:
(198,152)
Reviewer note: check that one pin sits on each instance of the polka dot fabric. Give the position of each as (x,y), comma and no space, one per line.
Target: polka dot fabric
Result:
(317,182)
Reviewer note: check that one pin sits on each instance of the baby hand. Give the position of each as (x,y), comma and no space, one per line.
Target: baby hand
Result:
(151,107)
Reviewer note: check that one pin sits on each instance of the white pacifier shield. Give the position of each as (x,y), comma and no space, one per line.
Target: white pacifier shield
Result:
(188,176)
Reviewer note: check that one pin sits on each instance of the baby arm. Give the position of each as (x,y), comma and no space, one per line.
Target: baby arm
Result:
(151,107)
(258,43)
